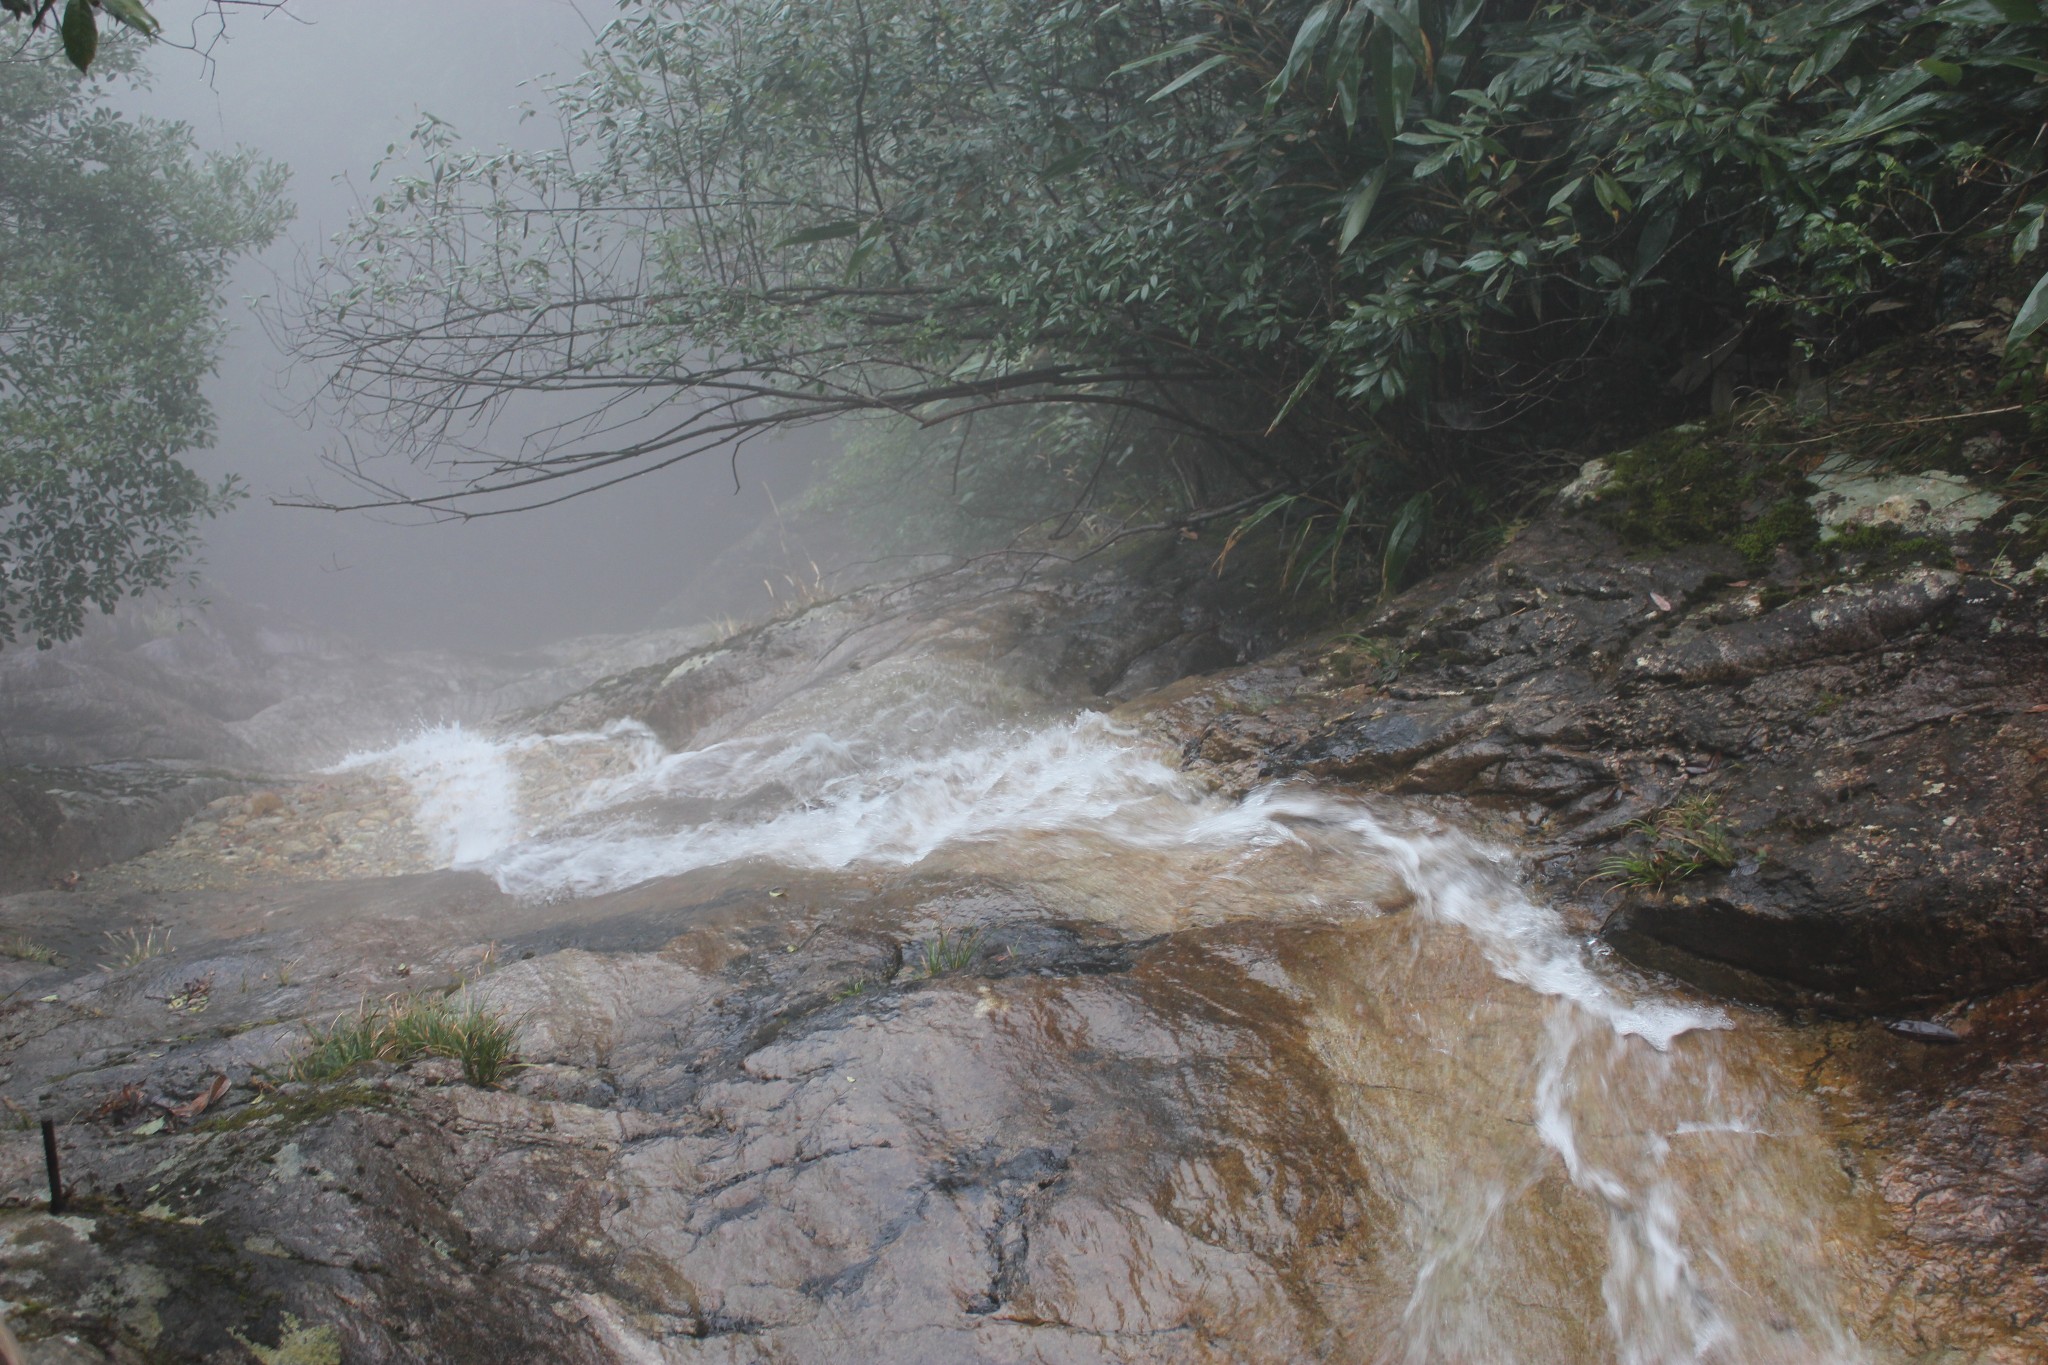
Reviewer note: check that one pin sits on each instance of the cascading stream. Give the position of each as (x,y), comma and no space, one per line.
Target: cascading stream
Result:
(1582,1166)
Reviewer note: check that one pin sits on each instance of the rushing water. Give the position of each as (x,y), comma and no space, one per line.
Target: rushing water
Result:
(1574,1164)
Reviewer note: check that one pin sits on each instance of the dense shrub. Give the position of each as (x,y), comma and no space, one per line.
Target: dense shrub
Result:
(1356,250)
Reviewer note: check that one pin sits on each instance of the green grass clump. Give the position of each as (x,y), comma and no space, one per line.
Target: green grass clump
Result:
(24,949)
(405,1028)
(943,954)
(1685,838)
(132,949)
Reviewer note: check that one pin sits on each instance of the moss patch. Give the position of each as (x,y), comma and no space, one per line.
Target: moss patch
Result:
(286,1110)
(1789,522)
(297,1344)
(1688,488)
(1677,489)
(1879,547)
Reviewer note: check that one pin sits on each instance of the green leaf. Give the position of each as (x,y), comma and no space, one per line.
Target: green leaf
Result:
(134,14)
(1306,39)
(2038,67)
(1563,196)
(1347,60)
(1403,539)
(1985,12)
(1611,195)
(824,232)
(81,35)
(1308,381)
(2032,314)
(1359,207)
(1397,15)
(1393,79)
(1165,54)
(1846,10)
(1882,119)
(1946,71)
(1463,12)
(1192,73)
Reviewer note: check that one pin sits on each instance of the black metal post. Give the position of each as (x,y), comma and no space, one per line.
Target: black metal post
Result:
(50,1165)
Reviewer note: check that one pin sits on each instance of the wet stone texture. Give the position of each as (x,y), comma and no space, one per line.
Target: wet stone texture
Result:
(1877,749)
(749,1131)
(751,1127)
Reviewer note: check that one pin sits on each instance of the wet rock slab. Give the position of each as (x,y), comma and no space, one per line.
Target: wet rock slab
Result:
(1875,748)
(56,822)
(749,1130)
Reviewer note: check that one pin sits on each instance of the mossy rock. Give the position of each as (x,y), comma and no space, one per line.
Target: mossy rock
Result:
(1879,547)
(1688,488)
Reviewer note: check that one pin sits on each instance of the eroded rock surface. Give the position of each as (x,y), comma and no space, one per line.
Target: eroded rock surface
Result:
(747,1131)
(1143,1115)
(1875,745)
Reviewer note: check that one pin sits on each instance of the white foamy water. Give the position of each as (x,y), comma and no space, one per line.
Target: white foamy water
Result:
(1610,1093)
(464,787)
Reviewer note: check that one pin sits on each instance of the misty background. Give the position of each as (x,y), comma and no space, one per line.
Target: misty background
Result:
(328,87)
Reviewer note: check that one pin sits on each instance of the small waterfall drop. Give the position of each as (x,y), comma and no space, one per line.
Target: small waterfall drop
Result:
(1583,1167)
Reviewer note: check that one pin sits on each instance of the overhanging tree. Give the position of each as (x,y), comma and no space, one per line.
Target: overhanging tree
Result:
(1358,248)
(115,241)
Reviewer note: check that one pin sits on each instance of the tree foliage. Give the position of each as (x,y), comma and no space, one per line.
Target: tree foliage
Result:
(77,23)
(1359,247)
(114,244)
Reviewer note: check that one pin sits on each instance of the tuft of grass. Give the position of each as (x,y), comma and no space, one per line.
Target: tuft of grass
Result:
(859,986)
(132,950)
(23,949)
(405,1028)
(943,953)
(1685,838)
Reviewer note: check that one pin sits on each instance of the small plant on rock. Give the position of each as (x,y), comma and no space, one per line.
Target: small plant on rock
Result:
(407,1027)
(943,954)
(23,949)
(1685,837)
(132,949)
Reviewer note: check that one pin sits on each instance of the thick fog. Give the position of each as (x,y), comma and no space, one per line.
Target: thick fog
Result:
(326,86)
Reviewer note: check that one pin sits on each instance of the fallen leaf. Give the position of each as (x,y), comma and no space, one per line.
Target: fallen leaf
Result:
(118,1105)
(150,1129)
(2037,710)
(197,1105)
(1663,602)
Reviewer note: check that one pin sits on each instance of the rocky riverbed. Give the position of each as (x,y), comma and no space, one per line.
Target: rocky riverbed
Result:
(996,1028)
